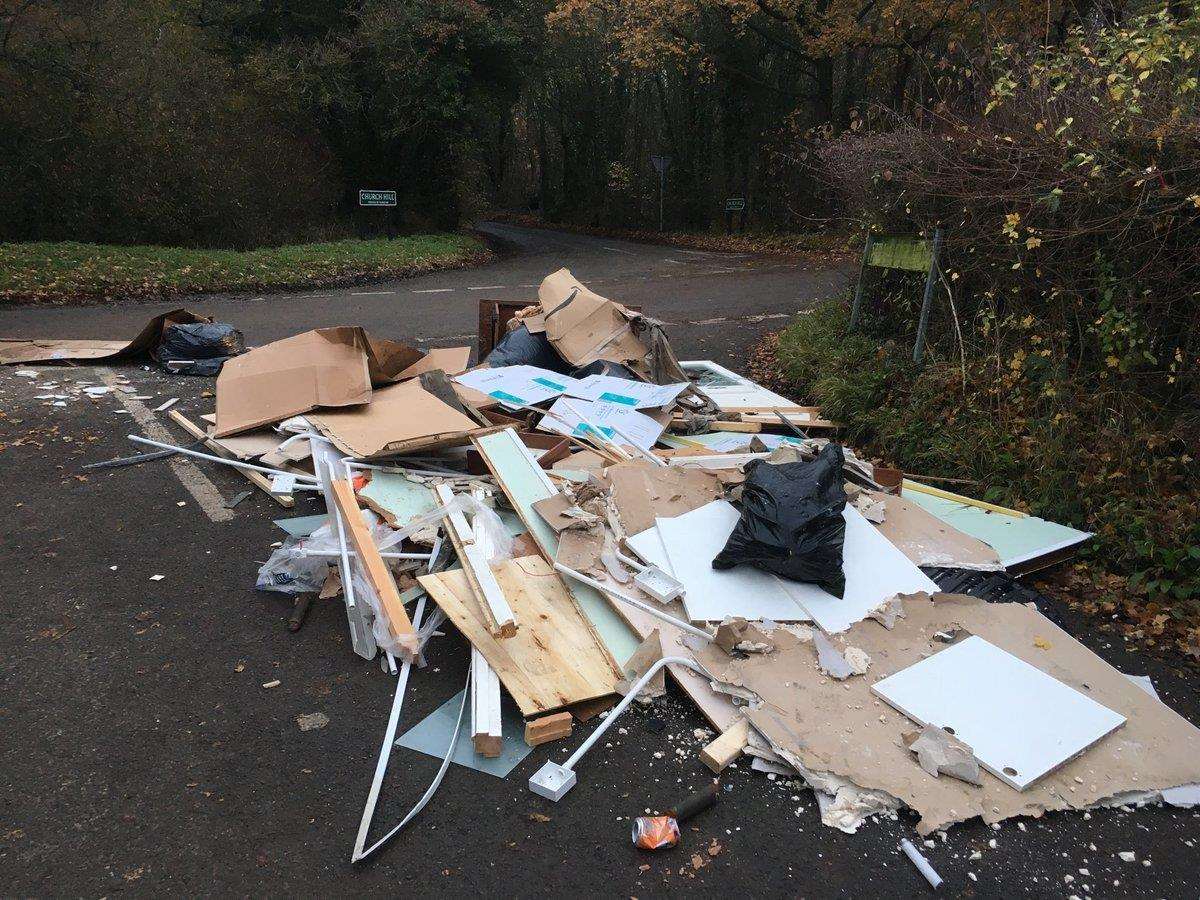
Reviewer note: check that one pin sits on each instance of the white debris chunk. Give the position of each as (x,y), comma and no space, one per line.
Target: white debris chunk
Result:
(940,752)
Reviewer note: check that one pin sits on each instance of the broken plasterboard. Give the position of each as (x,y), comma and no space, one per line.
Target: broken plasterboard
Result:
(642,494)
(1024,543)
(929,541)
(397,499)
(1020,722)
(836,728)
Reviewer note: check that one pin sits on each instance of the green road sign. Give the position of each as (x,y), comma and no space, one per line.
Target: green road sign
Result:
(735,204)
(376,198)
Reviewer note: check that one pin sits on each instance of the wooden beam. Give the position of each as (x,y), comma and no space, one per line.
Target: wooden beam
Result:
(725,749)
(548,728)
(376,569)
(486,729)
(747,427)
(260,481)
(473,552)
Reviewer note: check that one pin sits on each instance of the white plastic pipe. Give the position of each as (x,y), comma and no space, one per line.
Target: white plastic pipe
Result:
(921,863)
(386,554)
(304,480)
(632,601)
(629,698)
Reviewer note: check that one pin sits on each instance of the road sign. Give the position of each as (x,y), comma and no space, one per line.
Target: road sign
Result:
(661,163)
(735,204)
(376,198)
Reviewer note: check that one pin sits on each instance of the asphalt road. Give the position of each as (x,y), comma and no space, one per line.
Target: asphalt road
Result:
(717,304)
(140,752)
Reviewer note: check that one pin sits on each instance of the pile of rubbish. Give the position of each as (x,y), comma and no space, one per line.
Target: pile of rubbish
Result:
(590,513)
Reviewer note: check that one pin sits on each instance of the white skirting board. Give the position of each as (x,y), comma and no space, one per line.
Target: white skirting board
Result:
(1020,722)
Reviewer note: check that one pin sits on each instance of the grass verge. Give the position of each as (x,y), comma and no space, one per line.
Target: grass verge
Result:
(68,272)
(1059,443)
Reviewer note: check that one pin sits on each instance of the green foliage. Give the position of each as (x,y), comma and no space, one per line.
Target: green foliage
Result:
(1033,433)
(64,271)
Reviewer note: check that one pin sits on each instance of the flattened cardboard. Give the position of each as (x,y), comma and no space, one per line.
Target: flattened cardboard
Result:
(835,727)
(400,417)
(585,327)
(15,351)
(251,444)
(451,360)
(322,368)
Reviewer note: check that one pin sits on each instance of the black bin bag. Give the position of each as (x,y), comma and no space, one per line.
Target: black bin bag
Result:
(200,348)
(791,522)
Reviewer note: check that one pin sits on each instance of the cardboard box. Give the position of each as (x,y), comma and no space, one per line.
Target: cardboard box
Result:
(327,367)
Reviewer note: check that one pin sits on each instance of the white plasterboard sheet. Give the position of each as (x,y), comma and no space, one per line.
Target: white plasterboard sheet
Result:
(1020,722)
(649,546)
(875,571)
(691,542)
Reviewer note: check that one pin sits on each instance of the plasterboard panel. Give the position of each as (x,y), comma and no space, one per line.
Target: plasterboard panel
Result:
(875,571)
(691,541)
(1020,722)
(1018,539)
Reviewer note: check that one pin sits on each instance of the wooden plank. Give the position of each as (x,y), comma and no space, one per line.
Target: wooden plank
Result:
(725,749)
(474,558)
(376,569)
(548,728)
(747,427)
(486,729)
(555,659)
(260,481)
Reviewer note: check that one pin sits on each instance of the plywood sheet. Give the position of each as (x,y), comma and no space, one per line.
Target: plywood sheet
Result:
(1020,722)
(555,659)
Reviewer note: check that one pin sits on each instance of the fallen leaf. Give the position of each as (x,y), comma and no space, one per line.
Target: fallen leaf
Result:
(538,817)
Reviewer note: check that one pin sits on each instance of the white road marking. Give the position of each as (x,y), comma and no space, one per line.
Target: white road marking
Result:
(616,250)
(678,262)
(195,481)
(487,287)
(370,293)
(433,290)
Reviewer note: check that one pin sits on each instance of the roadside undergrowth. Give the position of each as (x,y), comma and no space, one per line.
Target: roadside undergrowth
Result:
(1021,430)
